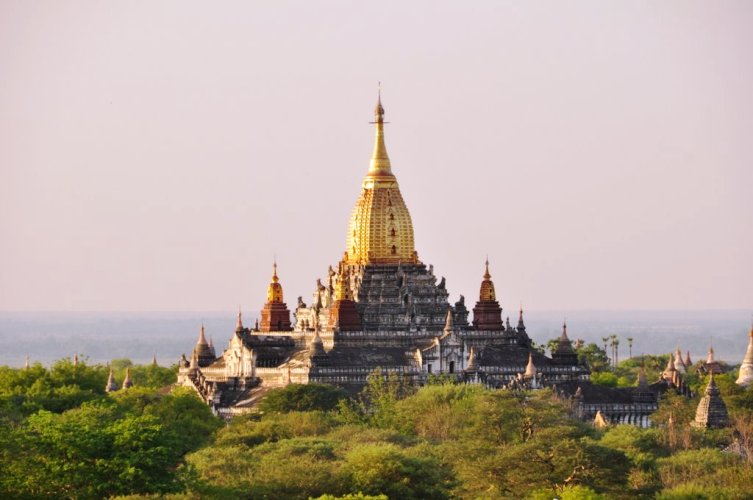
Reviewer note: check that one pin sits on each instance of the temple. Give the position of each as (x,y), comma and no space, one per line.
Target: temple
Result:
(381,307)
(711,412)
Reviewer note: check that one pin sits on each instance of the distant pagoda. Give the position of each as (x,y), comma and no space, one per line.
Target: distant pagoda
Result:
(745,377)
(711,412)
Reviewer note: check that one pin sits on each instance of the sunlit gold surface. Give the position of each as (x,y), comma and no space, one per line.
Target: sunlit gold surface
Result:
(487,287)
(380,229)
(274,290)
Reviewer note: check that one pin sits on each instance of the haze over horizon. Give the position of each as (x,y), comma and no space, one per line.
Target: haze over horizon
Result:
(159,156)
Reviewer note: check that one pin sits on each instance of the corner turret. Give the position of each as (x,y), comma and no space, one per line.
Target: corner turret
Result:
(203,351)
(111,386)
(275,316)
(487,314)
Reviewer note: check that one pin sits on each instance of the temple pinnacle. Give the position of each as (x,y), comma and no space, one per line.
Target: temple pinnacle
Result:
(380,162)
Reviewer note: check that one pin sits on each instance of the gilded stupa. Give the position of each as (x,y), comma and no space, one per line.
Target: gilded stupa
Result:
(380,229)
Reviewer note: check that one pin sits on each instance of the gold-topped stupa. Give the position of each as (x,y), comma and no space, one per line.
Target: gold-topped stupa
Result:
(487,287)
(380,229)
(274,290)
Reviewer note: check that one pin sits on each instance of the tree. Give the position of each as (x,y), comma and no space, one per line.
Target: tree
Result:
(595,357)
(302,397)
(385,469)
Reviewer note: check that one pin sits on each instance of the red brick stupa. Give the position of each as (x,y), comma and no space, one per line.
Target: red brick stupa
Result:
(487,314)
(275,316)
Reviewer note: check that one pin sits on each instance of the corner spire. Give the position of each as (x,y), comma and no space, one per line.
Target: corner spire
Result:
(521,324)
(274,290)
(487,293)
(239,323)
(202,338)
(530,367)
(745,377)
(449,324)
(111,385)
(127,382)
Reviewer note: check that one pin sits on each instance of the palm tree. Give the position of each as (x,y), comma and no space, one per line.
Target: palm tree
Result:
(616,351)
(613,338)
(605,339)
(630,346)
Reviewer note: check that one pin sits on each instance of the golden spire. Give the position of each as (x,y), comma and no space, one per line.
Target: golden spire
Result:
(341,291)
(487,293)
(380,161)
(274,290)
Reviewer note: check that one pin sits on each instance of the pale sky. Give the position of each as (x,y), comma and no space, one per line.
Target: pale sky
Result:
(159,155)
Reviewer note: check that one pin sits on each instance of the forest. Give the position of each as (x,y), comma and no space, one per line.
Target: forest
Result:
(65,437)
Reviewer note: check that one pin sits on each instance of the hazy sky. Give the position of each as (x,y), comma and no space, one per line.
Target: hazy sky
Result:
(158,155)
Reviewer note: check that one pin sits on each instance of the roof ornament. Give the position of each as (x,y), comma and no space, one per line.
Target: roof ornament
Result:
(111,385)
(380,161)
(521,325)
(472,359)
(202,338)
(449,324)
(530,367)
(127,382)
(239,323)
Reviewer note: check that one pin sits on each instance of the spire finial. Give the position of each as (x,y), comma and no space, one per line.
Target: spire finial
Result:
(486,269)
(202,339)
(521,325)
(379,110)
(275,279)
(449,321)
(239,323)
(380,161)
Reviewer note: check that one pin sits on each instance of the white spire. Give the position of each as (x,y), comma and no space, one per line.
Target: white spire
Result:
(530,368)
(745,377)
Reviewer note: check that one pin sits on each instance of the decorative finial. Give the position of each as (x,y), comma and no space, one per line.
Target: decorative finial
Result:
(486,269)
(202,339)
(239,323)
(127,382)
(449,321)
(275,279)
(379,110)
